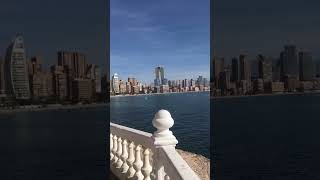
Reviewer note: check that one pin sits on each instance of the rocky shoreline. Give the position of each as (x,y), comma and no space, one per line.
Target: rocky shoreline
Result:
(198,163)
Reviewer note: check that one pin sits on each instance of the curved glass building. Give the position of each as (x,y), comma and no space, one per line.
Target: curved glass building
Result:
(115,83)
(16,72)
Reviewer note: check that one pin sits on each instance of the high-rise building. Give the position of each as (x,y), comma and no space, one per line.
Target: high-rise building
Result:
(115,84)
(128,88)
(2,78)
(224,81)
(216,71)
(75,67)
(254,69)
(159,73)
(235,70)
(276,70)
(16,70)
(35,65)
(105,87)
(289,62)
(245,73)
(205,82)
(132,81)
(200,81)
(93,73)
(222,64)
(306,70)
(38,80)
(82,89)
(75,63)
(122,87)
(41,85)
(265,68)
(59,82)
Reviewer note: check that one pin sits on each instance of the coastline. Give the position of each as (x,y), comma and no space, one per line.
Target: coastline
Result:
(151,94)
(262,95)
(53,107)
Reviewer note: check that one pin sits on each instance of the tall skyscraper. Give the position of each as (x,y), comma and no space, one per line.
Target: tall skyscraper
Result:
(265,68)
(224,81)
(159,73)
(2,78)
(59,82)
(82,89)
(235,70)
(41,85)
(75,67)
(75,63)
(93,73)
(16,71)
(216,71)
(40,82)
(35,65)
(289,62)
(306,69)
(115,83)
(245,73)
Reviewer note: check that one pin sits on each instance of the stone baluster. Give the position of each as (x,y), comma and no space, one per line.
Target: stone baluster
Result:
(111,146)
(119,153)
(162,121)
(115,147)
(146,169)
(124,168)
(138,164)
(131,159)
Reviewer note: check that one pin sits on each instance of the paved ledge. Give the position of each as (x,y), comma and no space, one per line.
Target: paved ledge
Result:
(198,163)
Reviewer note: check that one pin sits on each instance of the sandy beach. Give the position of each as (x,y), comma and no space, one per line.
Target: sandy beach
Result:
(274,94)
(52,107)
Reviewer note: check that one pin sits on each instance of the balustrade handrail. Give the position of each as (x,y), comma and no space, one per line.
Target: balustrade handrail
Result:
(144,156)
(137,136)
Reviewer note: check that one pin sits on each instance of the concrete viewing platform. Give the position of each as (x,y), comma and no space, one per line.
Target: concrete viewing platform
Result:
(140,155)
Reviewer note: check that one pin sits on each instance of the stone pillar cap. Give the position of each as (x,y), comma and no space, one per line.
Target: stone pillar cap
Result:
(162,121)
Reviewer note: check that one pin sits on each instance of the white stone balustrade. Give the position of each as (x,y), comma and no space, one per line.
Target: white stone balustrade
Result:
(140,155)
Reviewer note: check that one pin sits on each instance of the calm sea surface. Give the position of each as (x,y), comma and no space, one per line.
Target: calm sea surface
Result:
(190,111)
(54,145)
(267,138)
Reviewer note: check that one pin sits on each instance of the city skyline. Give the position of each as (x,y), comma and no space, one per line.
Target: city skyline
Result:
(53,27)
(194,77)
(148,34)
(72,78)
(293,70)
(161,84)
(54,55)
(264,28)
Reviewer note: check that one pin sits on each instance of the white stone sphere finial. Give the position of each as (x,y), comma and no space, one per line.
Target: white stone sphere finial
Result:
(162,121)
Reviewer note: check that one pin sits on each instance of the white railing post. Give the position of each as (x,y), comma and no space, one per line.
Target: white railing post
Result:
(124,168)
(137,155)
(162,121)
(131,159)
(111,147)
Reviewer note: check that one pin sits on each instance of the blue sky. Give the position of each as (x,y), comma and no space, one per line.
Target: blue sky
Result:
(265,26)
(49,26)
(172,33)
